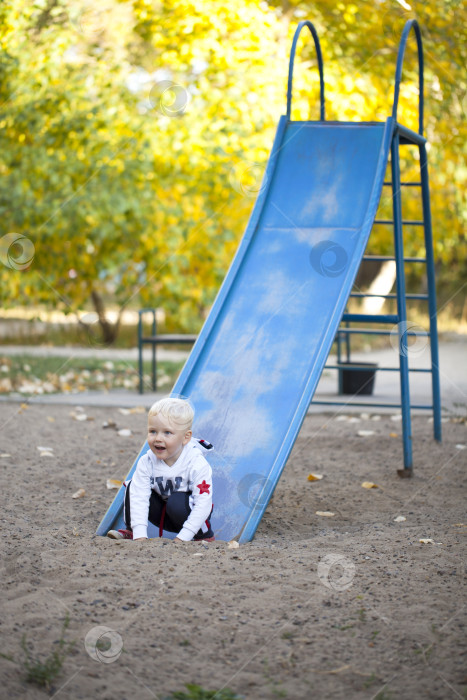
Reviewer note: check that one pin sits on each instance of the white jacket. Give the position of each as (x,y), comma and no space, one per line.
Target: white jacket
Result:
(191,472)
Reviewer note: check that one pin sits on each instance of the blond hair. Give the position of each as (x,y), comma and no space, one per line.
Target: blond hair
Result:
(178,412)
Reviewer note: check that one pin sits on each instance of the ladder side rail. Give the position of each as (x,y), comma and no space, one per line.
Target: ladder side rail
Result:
(401,308)
(430,273)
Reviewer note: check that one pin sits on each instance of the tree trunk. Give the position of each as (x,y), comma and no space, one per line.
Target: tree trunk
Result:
(109,330)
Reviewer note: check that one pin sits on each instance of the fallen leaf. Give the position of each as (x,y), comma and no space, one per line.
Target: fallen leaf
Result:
(113,484)
(460,447)
(51,419)
(138,409)
(400,519)
(394,435)
(46,454)
(396,417)
(233,544)
(125,432)
(428,540)
(79,493)
(109,424)
(369,485)
(124,411)
(315,477)
(198,554)
(325,513)
(41,448)
(5,454)
(365,433)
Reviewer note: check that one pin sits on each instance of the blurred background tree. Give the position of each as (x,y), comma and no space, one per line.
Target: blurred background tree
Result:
(134,135)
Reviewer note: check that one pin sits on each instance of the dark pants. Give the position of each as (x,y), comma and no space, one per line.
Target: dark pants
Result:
(168,515)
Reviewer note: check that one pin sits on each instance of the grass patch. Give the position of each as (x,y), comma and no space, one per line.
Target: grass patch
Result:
(31,375)
(43,672)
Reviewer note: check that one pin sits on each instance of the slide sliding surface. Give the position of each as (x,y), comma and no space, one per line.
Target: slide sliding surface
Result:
(259,357)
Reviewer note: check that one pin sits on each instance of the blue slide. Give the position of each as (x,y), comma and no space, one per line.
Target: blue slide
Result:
(257,361)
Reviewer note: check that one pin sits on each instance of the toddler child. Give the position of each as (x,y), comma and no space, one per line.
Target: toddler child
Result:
(172,483)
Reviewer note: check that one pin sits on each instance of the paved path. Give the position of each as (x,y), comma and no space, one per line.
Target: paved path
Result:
(99,352)
(453,370)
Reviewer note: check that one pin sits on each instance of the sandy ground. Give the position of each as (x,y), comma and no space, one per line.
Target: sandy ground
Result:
(349,606)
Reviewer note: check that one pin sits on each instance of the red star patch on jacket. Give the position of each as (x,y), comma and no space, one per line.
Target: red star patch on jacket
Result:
(203,487)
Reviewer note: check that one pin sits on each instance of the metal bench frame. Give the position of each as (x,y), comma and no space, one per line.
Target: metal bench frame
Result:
(153,340)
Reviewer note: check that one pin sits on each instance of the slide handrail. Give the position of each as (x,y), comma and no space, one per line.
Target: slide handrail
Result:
(411,23)
(305,23)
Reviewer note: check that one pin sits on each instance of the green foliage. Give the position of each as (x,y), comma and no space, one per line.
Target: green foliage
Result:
(43,672)
(196,692)
(133,196)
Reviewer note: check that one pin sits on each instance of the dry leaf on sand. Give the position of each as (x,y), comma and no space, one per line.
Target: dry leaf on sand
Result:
(113,484)
(125,432)
(369,485)
(79,493)
(428,540)
(325,513)
(315,477)
(109,424)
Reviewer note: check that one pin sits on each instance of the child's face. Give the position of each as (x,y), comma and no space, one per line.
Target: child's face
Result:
(165,441)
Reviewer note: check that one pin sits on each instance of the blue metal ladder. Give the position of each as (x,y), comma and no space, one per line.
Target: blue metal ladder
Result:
(402,136)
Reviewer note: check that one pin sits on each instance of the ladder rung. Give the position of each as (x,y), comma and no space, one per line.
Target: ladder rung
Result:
(371,405)
(366,331)
(361,295)
(379,369)
(385,258)
(405,222)
(371,318)
(404,184)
